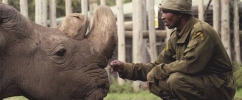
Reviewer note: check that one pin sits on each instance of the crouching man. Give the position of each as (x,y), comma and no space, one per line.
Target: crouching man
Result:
(193,65)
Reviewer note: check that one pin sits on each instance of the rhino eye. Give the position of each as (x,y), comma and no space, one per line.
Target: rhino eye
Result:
(61,52)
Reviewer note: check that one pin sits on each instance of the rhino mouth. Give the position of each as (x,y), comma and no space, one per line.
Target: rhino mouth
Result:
(100,85)
(104,88)
(99,91)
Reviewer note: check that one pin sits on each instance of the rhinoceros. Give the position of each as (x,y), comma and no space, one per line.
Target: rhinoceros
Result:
(62,63)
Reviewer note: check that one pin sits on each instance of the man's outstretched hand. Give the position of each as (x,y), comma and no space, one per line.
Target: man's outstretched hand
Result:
(116,66)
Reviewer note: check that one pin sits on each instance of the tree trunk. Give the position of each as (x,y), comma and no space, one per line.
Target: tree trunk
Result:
(137,37)
(68,7)
(52,13)
(145,27)
(84,8)
(201,10)
(41,12)
(236,32)
(103,2)
(225,29)
(44,16)
(216,16)
(152,35)
(24,8)
(38,11)
(5,1)
(121,36)
(92,7)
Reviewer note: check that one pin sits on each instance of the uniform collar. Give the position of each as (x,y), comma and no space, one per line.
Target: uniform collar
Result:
(186,30)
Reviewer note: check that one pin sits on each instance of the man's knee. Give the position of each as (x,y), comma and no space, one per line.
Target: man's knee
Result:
(175,80)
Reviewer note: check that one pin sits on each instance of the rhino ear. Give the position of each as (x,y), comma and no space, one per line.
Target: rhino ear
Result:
(74,26)
(103,34)
(14,23)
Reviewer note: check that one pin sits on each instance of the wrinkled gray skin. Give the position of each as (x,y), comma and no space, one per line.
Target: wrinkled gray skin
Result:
(60,63)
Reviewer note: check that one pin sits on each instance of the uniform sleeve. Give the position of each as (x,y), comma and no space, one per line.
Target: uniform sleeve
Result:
(139,71)
(136,71)
(195,57)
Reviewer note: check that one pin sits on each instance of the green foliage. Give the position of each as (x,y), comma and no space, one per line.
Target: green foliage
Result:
(238,93)
(238,78)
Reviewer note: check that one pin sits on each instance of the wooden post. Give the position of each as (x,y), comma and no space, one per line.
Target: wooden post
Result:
(68,7)
(84,7)
(152,35)
(37,12)
(44,15)
(24,8)
(216,15)
(225,28)
(5,1)
(41,12)
(53,13)
(201,10)
(144,13)
(137,36)
(103,2)
(145,27)
(84,4)
(92,8)
(121,35)
(236,32)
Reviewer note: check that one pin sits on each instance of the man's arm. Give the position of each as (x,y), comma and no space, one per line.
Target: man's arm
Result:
(196,56)
(139,71)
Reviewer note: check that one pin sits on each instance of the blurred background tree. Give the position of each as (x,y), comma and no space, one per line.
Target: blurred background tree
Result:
(60,6)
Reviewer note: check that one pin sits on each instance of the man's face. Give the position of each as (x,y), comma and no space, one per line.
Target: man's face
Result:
(170,19)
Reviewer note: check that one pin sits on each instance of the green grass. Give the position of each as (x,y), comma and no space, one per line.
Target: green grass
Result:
(16,98)
(142,95)
(238,93)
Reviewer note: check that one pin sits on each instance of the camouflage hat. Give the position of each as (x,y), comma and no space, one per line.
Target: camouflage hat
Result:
(182,6)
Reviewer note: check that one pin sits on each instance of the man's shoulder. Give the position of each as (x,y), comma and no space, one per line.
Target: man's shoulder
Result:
(201,26)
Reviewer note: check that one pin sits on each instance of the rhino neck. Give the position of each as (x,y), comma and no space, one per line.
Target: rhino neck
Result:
(10,91)
(8,87)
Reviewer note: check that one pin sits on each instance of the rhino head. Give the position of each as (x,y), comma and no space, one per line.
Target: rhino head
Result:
(60,63)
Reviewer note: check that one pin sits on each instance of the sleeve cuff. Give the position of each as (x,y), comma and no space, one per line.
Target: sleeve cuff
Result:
(150,76)
(159,73)
(127,71)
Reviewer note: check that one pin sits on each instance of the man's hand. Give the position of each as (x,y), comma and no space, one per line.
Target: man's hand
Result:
(149,86)
(116,66)
(150,80)
(150,76)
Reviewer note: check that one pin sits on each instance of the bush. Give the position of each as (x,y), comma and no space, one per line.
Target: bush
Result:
(238,74)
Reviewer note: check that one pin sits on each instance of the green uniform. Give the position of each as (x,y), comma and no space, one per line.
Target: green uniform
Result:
(193,66)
